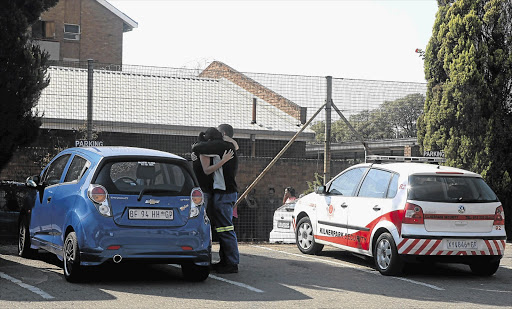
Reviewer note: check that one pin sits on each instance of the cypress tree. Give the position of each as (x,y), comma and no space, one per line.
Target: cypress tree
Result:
(22,74)
(468,108)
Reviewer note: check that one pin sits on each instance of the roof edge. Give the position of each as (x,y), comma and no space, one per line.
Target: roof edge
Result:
(127,20)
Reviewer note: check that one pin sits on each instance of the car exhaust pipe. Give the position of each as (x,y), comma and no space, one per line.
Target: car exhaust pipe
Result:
(117,258)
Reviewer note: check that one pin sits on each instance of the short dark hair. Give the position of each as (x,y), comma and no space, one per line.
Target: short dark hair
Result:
(212,133)
(226,129)
(291,190)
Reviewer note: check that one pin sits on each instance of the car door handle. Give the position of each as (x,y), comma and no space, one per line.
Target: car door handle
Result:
(376,208)
(48,200)
(344,205)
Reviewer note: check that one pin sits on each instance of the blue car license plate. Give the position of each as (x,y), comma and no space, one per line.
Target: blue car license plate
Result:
(150,214)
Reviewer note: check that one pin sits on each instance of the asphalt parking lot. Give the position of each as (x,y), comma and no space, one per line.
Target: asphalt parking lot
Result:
(271,275)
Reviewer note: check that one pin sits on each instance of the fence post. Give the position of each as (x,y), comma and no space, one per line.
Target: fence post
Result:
(253,111)
(327,140)
(90,69)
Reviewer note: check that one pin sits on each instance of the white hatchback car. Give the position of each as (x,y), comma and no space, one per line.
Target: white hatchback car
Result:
(405,212)
(282,227)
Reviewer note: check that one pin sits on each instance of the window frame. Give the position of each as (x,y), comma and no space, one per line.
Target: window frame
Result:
(76,34)
(386,191)
(44,179)
(85,168)
(354,192)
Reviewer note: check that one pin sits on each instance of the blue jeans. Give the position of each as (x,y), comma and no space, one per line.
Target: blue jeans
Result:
(222,219)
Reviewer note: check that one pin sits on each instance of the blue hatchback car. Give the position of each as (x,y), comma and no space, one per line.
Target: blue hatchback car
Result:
(99,204)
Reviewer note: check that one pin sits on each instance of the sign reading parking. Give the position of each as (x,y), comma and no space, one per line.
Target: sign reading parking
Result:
(429,153)
(87,143)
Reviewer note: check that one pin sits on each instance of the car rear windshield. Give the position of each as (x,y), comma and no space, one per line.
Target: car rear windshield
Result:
(131,177)
(446,189)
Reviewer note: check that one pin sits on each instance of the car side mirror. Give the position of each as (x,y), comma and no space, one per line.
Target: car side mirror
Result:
(320,190)
(32,181)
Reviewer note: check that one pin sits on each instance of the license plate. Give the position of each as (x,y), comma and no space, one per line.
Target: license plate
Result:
(283,224)
(457,244)
(150,214)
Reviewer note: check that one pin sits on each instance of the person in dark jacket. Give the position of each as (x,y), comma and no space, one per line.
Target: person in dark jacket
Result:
(224,195)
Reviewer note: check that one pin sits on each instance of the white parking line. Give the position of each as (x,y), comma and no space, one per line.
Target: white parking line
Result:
(493,291)
(351,266)
(29,287)
(242,285)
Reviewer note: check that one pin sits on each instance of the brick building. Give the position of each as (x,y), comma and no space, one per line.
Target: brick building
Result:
(217,70)
(77,30)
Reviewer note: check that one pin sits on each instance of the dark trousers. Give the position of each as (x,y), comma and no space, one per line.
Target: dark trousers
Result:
(222,219)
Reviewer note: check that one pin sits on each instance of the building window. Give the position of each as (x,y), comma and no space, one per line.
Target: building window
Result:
(42,29)
(71,32)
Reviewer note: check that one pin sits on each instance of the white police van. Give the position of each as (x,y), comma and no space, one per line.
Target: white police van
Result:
(404,212)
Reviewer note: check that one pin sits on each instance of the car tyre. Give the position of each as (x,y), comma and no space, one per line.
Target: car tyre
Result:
(195,273)
(305,237)
(485,269)
(24,249)
(71,257)
(386,256)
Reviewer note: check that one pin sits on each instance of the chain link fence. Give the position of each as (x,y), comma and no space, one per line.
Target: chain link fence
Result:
(166,109)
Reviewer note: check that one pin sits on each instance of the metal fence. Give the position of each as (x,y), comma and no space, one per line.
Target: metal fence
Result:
(166,108)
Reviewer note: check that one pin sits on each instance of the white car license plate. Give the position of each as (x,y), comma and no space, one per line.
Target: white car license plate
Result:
(150,214)
(283,224)
(458,244)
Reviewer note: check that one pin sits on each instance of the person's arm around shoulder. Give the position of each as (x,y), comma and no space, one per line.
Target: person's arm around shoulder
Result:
(205,162)
(231,140)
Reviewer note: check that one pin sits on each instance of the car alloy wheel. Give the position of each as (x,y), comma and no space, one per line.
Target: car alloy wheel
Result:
(386,256)
(306,238)
(72,269)
(305,235)
(21,238)
(383,254)
(24,249)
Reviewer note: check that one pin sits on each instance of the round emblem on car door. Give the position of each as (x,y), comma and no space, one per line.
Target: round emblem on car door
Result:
(462,209)
(330,210)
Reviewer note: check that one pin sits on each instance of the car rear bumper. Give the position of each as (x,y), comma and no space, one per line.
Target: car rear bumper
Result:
(103,239)
(282,236)
(459,259)
(139,255)
(438,246)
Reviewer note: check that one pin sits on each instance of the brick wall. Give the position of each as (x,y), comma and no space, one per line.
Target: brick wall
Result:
(101,36)
(286,172)
(28,161)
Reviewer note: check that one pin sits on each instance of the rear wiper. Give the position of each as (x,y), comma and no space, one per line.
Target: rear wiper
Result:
(153,190)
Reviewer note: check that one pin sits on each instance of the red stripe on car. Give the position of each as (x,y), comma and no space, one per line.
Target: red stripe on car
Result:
(434,247)
(411,246)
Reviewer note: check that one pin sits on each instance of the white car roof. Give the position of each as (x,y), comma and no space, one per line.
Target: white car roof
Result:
(409,168)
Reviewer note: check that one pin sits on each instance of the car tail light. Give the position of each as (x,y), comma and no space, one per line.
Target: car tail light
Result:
(413,214)
(197,199)
(499,216)
(99,196)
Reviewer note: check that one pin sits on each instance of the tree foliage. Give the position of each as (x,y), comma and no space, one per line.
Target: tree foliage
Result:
(468,108)
(312,185)
(393,119)
(22,74)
